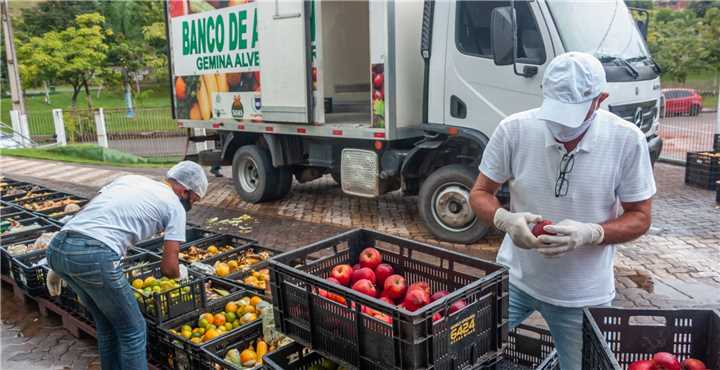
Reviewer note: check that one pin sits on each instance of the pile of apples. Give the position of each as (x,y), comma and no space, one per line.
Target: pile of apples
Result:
(372,277)
(667,361)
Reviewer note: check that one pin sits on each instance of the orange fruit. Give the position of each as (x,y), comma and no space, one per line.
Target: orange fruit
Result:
(180,88)
(222,269)
(233,264)
(208,317)
(219,319)
(212,249)
(255,300)
(248,357)
(195,113)
(210,335)
(231,307)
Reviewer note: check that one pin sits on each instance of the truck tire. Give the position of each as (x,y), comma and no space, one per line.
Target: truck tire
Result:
(255,178)
(445,207)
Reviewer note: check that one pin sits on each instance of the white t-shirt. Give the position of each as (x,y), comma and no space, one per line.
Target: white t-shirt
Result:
(612,165)
(131,209)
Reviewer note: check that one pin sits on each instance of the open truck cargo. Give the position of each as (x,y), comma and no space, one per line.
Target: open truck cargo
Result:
(385,95)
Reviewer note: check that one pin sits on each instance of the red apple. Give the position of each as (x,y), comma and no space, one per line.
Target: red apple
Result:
(356,267)
(641,365)
(383,317)
(378,95)
(665,361)
(436,317)
(395,287)
(539,228)
(362,273)
(693,364)
(382,272)
(457,306)
(342,273)
(366,287)
(370,258)
(422,285)
(415,299)
(378,80)
(387,300)
(438,295)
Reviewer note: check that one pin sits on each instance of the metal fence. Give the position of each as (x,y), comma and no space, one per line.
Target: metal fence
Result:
(149,132)
(688,122)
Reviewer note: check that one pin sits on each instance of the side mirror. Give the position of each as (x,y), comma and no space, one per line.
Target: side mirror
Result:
(501,35)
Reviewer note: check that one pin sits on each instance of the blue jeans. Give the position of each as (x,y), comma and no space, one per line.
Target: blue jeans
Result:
(92,270)
(565,325)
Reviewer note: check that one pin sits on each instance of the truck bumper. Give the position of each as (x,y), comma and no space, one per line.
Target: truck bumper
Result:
(655,145)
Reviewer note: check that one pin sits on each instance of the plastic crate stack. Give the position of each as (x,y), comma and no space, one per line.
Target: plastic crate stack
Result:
(702,169)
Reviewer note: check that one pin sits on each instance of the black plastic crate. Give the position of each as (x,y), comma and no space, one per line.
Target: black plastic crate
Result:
(702,169)
(34,205)
(16,237)
(169,304)
(134,260)
(71,302)
(30,238)
(28,276)
(57,213)
(20,191)
(16,215)
(239,278)
(192,234)
(182,353)
(30,193)
(214,353)
(225,243)
(615,337)
(472,336)
(716,143)
(529,347)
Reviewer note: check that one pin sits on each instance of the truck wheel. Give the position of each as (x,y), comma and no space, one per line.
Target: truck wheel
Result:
(445,205)
(255,178)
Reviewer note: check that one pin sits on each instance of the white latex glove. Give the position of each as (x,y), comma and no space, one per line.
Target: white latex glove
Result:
(54,283)
(570,235)
(183,272)
(517,226)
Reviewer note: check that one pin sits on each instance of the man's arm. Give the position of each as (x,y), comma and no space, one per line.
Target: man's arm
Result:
(170,266)
(631,225)
(483,200)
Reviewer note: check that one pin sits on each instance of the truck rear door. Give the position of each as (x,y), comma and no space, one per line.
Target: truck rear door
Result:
(285,61)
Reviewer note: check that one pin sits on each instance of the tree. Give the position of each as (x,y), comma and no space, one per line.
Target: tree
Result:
(75,55)
(52,15)
(701,6)
(676,41)
(640,4)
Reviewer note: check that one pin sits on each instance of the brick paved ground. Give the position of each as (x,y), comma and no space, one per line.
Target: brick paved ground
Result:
(676,265)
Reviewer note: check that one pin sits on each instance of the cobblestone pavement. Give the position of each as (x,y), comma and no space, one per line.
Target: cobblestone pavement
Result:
(676,265)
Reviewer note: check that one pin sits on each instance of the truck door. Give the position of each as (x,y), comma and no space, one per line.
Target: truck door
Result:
(284,61)
(478,93)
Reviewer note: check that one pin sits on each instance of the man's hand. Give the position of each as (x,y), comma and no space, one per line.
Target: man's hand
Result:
(54,283)
(569,235)
(516,225)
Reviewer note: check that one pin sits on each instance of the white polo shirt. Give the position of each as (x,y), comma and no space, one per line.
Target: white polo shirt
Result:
(612,165)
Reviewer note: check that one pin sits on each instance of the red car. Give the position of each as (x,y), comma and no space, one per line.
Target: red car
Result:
(682,101)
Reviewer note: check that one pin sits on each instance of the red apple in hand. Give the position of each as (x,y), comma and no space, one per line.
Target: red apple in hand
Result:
(342,273)
(665,361)
(382,272)
(395,287)
(539,228)
(415,299)
(693,364)
(438,295)
(370,258)
(642,365)
(366,287)
(362,273)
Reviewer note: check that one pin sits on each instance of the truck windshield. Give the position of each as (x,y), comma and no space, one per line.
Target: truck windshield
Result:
(605,29)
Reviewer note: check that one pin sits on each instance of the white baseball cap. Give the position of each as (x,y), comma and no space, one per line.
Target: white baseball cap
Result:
(570,84)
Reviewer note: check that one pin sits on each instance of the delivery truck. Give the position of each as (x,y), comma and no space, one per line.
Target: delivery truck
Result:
(386,95)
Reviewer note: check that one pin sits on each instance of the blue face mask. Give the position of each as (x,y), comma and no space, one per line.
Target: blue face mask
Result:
(565,134)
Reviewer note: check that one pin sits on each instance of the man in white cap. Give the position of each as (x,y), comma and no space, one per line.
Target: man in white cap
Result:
(584,169)
(87,251)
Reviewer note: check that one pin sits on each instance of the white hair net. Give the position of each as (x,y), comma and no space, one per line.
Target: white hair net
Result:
(191,176)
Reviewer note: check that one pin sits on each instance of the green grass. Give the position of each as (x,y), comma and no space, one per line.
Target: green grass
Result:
(152,111)
(87,154)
